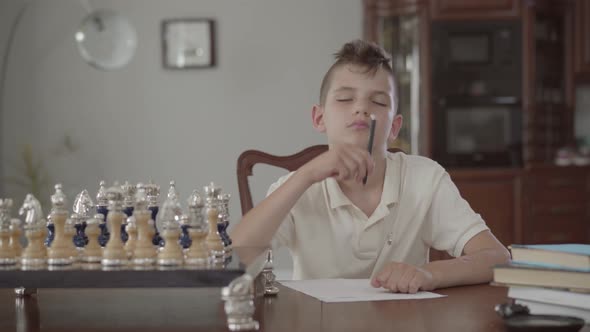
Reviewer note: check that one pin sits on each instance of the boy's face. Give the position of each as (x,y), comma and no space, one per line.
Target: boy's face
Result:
(354,95)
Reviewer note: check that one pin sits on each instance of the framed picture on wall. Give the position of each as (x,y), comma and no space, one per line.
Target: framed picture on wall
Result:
(188,43)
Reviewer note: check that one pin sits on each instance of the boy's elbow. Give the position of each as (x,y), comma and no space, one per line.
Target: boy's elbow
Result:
(503,255)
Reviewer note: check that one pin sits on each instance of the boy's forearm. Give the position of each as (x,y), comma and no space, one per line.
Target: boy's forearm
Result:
(259,225)
(475,268)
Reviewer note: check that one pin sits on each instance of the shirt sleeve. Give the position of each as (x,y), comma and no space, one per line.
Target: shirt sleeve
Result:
(453,221)
(286,231)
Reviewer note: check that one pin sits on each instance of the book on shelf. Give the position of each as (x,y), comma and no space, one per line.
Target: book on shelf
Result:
(550,296)
(539,308)
(530,275)
(576,256)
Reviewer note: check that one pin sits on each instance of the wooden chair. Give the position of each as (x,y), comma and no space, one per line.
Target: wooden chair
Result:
(249,158)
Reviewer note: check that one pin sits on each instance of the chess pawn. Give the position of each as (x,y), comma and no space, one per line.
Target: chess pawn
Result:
(93,250)
(35,252)
(114,251)
(62,247)
(131,230)
(197,253)
(7,253)
(171,253)
(102,203)
(269,276)
(213,240)
(145,252)
(15,235)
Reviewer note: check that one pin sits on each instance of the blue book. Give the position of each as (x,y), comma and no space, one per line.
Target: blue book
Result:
(574,256)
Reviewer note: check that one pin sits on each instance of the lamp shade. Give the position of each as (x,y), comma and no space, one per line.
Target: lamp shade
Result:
(106,40)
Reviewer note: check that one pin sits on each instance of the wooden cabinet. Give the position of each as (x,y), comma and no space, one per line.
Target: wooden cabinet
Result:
(495,195)
(538,202)
(556,204)
(472,9)
(548,80)
(582,41)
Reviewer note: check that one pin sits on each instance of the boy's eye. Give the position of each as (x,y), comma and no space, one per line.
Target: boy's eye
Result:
(379,103)
(343,99)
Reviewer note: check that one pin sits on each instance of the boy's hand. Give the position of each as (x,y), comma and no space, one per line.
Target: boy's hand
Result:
(404,278)
(343,161)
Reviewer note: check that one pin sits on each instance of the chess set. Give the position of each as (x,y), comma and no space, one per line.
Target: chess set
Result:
(125,240)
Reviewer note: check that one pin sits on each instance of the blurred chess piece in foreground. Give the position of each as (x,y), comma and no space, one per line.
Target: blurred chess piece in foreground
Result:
(35,252)
(8,255)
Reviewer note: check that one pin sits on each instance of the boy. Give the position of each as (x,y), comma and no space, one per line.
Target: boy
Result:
(337,227)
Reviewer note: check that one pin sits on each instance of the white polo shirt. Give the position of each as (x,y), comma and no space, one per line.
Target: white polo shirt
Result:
(329,237)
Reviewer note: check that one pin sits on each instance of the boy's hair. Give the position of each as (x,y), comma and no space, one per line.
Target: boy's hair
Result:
(360,53)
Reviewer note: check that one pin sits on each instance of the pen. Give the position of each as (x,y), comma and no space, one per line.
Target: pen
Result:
(370,147)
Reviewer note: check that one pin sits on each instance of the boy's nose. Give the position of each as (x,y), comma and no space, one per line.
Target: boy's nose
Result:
(365,113)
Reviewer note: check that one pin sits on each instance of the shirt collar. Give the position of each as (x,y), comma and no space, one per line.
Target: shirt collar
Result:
(391,185)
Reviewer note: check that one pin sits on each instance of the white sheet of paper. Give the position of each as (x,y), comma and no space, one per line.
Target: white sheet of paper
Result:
(350,290)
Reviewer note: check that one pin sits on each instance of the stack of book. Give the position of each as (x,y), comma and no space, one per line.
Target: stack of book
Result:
(549,279)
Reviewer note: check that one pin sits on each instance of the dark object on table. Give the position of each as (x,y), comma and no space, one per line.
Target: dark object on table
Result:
(518,318)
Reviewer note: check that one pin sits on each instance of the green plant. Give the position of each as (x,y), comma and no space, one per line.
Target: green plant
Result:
(31,171)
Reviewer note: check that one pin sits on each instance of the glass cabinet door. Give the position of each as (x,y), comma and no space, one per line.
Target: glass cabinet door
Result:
(400,35)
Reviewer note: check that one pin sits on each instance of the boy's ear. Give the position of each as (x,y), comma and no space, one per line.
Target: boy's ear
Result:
(317,114)
(396,125)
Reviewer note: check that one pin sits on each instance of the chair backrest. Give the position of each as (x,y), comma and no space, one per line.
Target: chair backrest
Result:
(249,158)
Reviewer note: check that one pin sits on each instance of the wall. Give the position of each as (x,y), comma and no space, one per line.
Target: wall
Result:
(144,122)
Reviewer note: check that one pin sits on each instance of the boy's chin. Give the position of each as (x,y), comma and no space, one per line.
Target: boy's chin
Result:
(355,142)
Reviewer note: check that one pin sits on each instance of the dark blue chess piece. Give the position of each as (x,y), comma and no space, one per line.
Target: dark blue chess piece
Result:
(185,238)
(104,236)
(80,239)
(50,234)
(129,212)
(101,207)
(221,226)
(157,239)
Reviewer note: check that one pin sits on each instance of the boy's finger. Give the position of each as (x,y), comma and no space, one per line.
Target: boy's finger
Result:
(404,282)
(414,285)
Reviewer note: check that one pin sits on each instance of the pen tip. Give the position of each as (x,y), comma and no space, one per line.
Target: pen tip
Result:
(372,116)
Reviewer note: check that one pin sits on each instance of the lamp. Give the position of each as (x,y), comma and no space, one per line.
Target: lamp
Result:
(105,40)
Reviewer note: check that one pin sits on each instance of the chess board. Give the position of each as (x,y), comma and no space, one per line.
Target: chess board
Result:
(84,275)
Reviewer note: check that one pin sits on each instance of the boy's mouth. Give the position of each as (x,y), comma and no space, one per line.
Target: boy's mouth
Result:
(358,124)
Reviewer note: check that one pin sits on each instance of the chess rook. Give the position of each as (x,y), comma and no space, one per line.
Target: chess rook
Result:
(62,249)
(197,253)
(114,251)
(129,191)
(153,193)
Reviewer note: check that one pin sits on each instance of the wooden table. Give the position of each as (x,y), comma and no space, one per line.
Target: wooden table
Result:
(469,308)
